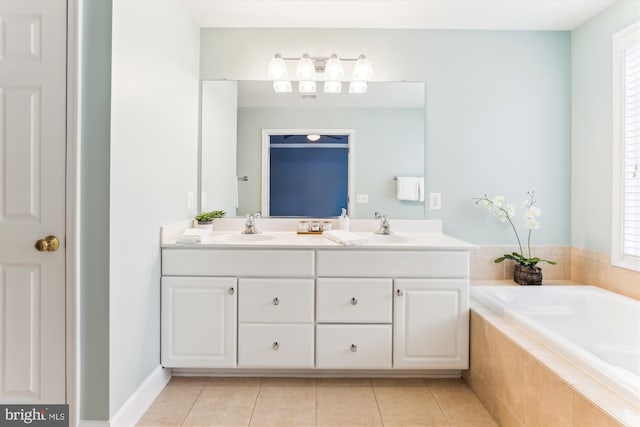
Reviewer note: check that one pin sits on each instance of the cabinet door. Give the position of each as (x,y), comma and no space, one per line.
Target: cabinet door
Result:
(199,322)
(431,323)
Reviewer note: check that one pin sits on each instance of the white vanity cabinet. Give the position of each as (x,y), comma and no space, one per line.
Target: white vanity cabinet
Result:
(276,319)
(431,323)
(354,323)
(316,307)
(430,301)
(199,322)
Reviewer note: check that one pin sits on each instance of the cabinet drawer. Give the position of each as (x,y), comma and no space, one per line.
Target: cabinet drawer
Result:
(354,300)
(237,262)
(275,300)
(409,263)
(270,346)
(353,346)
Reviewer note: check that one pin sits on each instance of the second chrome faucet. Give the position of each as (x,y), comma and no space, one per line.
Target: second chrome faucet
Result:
(385,227)
(250,224)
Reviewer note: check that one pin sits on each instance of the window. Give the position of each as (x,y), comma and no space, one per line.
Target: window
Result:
(626,148)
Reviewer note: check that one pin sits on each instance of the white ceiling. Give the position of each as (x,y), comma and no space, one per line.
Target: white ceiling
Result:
(397,14)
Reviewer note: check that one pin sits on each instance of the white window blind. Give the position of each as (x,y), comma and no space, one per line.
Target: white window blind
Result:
(631,132)
(625,250)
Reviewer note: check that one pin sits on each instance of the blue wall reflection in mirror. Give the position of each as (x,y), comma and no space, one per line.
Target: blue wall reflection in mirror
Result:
(308,175)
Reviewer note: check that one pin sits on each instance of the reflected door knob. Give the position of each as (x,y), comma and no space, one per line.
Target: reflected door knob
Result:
(48,244)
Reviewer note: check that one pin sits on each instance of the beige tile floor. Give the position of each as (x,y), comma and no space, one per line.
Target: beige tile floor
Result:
(302,402)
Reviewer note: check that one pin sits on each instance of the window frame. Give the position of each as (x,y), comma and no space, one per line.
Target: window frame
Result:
(620,41)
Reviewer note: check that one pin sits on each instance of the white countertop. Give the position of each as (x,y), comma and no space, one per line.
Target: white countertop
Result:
(289,239)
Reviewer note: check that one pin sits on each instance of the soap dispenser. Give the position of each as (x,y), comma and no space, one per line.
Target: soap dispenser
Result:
(344,220)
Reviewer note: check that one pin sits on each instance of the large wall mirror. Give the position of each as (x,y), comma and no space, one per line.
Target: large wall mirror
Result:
(386,126)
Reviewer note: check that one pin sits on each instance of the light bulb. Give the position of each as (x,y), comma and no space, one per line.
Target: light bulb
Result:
(332,86)
(277,68)
(357,87)
(307,86)
(282,86)
(305,70)
(334,70)
(362,71)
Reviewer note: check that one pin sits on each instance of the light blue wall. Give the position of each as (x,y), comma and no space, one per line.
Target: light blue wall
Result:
(154,146)
(93,253)
(592,124)
(498,110)
(125,155)
(388,142)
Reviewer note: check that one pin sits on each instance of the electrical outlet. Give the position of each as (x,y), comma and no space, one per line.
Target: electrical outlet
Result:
(362,198)
(435,201)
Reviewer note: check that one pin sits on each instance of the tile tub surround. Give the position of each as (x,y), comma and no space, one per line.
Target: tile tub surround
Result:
(594,268)
(483,266)
(522,383)
(573,263)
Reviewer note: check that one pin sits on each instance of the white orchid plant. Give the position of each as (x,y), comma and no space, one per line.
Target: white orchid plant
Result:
(504,213)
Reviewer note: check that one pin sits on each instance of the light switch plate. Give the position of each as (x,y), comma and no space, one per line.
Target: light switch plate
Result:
(435,201)
(362,198)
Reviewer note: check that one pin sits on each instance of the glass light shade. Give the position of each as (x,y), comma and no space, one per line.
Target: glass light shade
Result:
(332,86)
(362,71)
(313,137)
(307,86)
(334,70)
(357,87)
(282,86)
(305,70)
(277,68)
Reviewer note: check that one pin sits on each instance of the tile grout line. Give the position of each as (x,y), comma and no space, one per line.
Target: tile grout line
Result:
(315,381)
(435,399)
(255,401)
(193,403)
(375,396)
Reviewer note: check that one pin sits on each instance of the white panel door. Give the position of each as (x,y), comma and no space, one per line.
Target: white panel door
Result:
(32,200)
(199,322)
(431,323)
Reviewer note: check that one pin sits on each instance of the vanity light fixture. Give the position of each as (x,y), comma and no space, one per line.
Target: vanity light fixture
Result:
(308,67)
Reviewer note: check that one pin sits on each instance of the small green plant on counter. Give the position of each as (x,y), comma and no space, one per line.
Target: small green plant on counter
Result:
(208,217)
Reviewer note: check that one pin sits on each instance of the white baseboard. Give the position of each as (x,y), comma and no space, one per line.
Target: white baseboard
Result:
(86,423)
(138,403)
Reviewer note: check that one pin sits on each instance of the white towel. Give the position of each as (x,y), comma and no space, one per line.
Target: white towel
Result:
(345,238)
(410,188)
(192,235)
(189,238)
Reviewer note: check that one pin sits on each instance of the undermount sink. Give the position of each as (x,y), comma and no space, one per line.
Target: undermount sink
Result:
(390,238)
(246,237)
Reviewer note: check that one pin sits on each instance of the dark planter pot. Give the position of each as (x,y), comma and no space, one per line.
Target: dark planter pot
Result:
(526,276)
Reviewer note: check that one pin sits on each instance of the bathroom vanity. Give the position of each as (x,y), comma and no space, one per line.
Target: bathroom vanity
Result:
(291,302)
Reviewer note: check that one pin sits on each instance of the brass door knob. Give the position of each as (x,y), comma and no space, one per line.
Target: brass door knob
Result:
(48,244)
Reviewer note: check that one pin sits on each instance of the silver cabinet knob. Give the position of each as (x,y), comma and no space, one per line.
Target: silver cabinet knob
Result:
(275,345)
(354,348)
(400,292)
(232,290)
(354,301)
(276,301)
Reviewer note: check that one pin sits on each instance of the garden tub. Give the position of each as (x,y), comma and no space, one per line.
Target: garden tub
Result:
(597,330)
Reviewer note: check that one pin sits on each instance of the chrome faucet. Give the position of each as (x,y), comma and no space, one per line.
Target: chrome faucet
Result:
(385,227)
(250,224)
